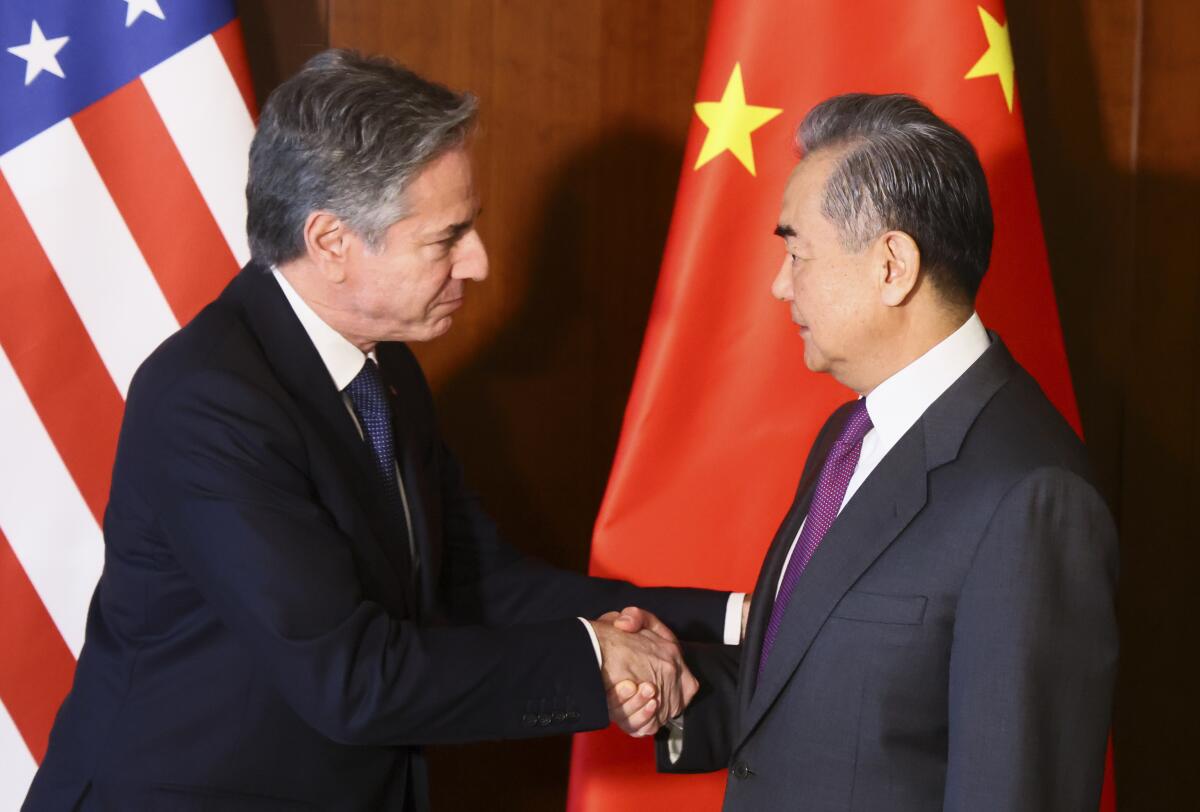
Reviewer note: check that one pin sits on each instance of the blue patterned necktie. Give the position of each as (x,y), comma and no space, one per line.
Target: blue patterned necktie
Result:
(370,400)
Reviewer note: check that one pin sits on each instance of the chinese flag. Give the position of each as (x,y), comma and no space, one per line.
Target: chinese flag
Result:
(723,410)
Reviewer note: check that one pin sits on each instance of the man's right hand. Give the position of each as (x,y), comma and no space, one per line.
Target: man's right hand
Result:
(644,673)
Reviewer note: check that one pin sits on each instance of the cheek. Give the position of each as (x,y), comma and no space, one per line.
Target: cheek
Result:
(436,274)
(819,297)
(803,289)
(417,288)
(831,309)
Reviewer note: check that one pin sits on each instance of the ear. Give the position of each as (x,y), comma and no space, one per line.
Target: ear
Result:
(327,242)
(901,262)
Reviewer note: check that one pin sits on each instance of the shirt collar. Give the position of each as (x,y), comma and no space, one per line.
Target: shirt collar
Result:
(342,359)
(897,403)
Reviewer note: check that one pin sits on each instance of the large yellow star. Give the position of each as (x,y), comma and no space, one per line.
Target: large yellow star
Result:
(730,122)
(997,60)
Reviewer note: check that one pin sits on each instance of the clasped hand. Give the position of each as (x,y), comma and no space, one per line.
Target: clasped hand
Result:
(644,673)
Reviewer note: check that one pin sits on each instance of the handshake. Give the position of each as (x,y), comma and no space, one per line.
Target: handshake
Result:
(647,681)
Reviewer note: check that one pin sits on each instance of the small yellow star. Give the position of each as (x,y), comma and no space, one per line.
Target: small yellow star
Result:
(997,60)
(730,122)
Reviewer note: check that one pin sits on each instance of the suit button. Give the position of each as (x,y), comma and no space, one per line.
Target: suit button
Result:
(572,716)
(560,716)
(529,719)
(545,719)
(741,770)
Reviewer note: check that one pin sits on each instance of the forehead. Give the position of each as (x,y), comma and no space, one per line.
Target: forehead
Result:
(444,185)
(806,186)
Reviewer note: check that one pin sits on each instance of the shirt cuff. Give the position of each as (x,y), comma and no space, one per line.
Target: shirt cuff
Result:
(733,618)
(596,641)
(675,739)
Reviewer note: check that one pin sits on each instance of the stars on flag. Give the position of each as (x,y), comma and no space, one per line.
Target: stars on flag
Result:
(40,54)
(997,60)
(136,8)
(730,122)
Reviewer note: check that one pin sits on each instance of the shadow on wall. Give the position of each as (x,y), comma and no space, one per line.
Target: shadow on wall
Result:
(535,416)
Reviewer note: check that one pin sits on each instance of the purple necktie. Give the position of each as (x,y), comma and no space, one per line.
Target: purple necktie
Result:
(827,501)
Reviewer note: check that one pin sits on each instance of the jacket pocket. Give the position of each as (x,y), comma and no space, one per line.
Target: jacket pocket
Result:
(869,607)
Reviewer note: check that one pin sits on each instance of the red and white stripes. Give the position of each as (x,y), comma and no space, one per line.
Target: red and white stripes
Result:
(123,222)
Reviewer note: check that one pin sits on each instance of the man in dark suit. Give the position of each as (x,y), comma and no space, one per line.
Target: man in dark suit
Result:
(299,589)
(935,625)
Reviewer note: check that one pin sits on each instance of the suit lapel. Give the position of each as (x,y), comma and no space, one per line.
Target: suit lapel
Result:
(769,573)
(426,526)
(302,373)
(888,500)
(881,508)
(412,426)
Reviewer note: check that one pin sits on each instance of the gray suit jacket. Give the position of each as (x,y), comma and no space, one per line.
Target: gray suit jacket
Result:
(953,642)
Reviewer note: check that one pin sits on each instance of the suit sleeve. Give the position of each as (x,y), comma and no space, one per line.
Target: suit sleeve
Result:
(708,722)
(488,581)
(1034,653)
(230,488)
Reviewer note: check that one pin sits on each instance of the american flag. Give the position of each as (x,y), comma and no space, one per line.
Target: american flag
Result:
(124,131)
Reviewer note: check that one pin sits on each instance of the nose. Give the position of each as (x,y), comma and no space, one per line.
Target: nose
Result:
(472,259)
(781,287)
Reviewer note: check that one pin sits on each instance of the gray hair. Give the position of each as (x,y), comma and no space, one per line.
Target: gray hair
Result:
(903,168)
(345,135)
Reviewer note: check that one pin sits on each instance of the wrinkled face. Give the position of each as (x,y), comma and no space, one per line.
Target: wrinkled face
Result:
(832,293)
(410,287)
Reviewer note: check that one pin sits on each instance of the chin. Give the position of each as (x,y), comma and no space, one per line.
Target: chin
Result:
(422,332)
(814,360)
(439,328)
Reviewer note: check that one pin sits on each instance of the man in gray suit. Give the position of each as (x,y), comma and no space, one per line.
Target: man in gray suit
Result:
(935,625)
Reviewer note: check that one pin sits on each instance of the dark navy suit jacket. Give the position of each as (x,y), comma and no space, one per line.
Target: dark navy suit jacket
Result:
(256,640)
(951,645)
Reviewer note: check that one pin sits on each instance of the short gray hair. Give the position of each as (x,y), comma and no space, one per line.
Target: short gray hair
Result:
(345,135)
(904,168)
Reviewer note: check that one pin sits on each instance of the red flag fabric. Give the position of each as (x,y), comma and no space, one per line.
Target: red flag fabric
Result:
(723,410)
(124,135)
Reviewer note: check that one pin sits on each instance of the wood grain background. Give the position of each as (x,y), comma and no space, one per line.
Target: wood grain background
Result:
(585,107)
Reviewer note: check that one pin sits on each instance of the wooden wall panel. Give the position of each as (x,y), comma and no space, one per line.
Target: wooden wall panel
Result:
(1075,63)
(1109,89)
(1158,721)
(584,108)
(280,35)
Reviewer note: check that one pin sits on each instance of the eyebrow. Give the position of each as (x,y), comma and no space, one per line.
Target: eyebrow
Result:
(452,232)
(784,231)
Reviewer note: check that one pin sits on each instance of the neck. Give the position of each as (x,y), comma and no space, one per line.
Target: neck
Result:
(320,294)
(912,336)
